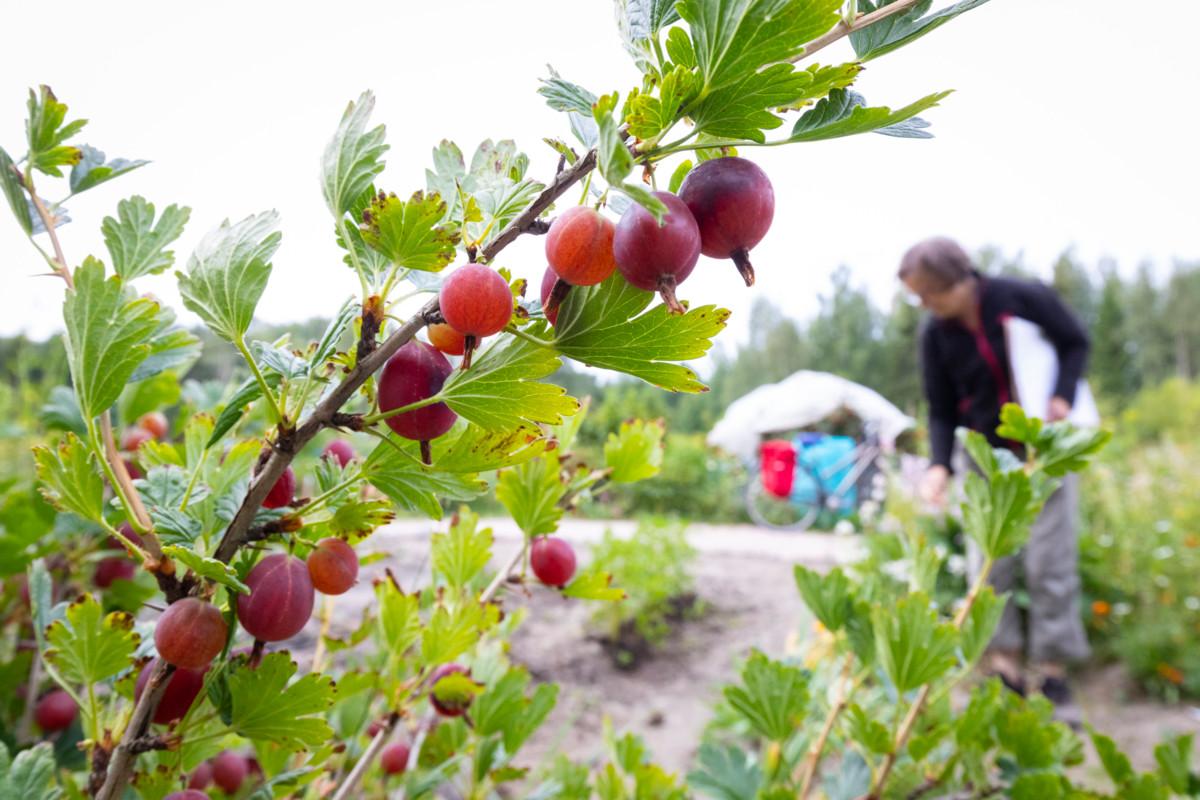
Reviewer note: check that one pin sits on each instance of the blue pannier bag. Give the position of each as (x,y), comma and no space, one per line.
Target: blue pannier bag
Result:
(831,458)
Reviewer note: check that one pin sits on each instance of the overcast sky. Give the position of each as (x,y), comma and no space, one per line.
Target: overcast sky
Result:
(1073,124)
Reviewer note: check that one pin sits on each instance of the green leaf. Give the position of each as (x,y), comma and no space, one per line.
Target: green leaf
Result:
(159,391)
(411,485)
(46,133)
(898,30)
(1015,425)
(30,775)
(358,519)
(773,696)
(171,347)
(268,705)
(531,492)
(107,334)
(408,233)
(1063,448)
(998,515)
(679,48)
(71,477)
(594,585)
(615,161)
(1037,786)
(353,156)
(1030,735)
(869,733)
(11,186)
(92,169)
(228,271)
(449,634)
(736,38)
(1174,759)
(210,568)
(504,709)
(635,452)
(678,175)
(829,597)
(502,391)
(604,326)
(726,773)
(913,647)
(845,113)
(981,623)
(246,394)
(88,647)
(398,617)
(562,95)
(476,449)
(462,553)
(1116,764)
(648,116)
(136,242)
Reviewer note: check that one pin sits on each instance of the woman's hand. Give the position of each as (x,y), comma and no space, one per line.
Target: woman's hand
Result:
(933,486)
(1059,409)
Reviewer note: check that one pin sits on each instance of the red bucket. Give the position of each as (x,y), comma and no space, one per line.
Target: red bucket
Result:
(778,466)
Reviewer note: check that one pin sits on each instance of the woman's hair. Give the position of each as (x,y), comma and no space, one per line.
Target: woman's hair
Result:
(940,259)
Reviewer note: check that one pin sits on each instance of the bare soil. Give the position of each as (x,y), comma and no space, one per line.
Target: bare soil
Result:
(744,578)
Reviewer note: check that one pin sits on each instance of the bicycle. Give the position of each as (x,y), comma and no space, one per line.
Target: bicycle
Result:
(824,487)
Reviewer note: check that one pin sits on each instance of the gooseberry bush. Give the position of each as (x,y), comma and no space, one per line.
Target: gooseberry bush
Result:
(178,683)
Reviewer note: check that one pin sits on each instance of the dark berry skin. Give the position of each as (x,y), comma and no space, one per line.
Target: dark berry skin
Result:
(416,372)
(280,600)
(341,450)
(394,758)
(128,532)
(183,687)
(187,794)
(229,771)
(579,246)
(55,711)
(446,708)
(201,776)
(654,258)
(333,566)
(733,203)
(283,492)
(476,301)
(549,281)
(112,569)
(552,560)
(190,633)
(446,339)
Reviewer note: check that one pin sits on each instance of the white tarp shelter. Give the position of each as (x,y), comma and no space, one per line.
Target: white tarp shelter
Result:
(799,401)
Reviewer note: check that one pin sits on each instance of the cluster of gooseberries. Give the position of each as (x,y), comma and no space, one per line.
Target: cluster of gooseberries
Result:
(228,771)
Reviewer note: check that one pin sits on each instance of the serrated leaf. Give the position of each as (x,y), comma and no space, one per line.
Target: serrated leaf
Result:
(594,585)
(608,326)
(71,478)
(869,733)
(562,95)
(614,161)
(136,242)
(900,29)
(981,623)
(648,116)
(92,169)
(449,634)
(228,271)
(399,620)
(845,113)
(635,451)
(47,129)
(408,232)
(88,647)
(998,515)
(772,697)
(245,394)
(61,412)
(353,157)
(17,201)
(142,397)
(472,449)
(1174,759)
(393,470)
(851,781)
(461,553)
(726,773)
(735,38)
(502,390)
(175,527)
(1116,764)
(334,332)
(1063,448)
(274,358)
(912,646)
(205,567)
(531,492)
(163,486)
(829,597)
(1037,786)
(107,336)
(357,519)
(30,775)
(267,705)
(504,709)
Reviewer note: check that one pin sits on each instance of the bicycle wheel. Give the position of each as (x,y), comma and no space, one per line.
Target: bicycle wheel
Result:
(780,513)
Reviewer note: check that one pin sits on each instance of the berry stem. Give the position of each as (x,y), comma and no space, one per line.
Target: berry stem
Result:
(741,258)
(666,288)
(469,343)
(276,414)
(426,453)
(557,295)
